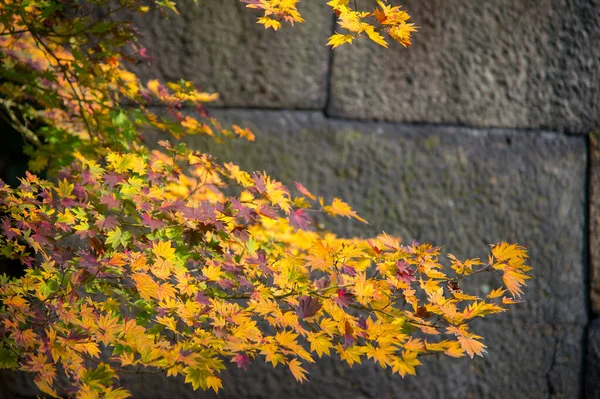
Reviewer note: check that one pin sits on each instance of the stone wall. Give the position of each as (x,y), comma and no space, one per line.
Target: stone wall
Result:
(478,133)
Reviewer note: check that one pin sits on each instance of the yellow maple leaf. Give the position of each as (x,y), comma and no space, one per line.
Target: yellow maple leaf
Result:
(64,188)
(498,292)
(414,345)
(454,349)
(340,208)
(212,272)
(406,364)
(164,250)
(319,343)
(338,39)
(514,281)
(401,33)
(297,370)
(471,345)
(508,252)
(381,354)
(351,354)
(214,382)
(269,23)
(145,285)
(245,133)
(376,37)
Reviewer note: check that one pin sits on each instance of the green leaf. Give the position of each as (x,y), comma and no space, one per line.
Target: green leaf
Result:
(8,359)
(100,376)
(197,377)
(251,245)
(116,238)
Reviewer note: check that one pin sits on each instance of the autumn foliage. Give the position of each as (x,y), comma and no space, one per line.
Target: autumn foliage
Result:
(168,261)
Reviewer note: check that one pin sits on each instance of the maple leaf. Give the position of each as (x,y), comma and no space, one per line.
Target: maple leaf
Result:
(338,39)
(212,272)
(269,23)
(514,281)
(64,188)
(509,301)
(110,201)
(147,287)
(350,354)
(25,338)
(402,32)
(16,301)
(195,376)
(454,349)
(340,208)
(381,354)
(163,249)
(153,224)
(307,307)
(320,343)
(117,237)
(496,293)
(376,37)
(7,229)
(107,223)
(343,298)
(299,219)
(214,382)
(297,370)
(268,212)
(304,191)
(471,346)
(406,364)
(245,133)
(405,273)
(467,341)
(349,270)
(244,212)
(8,359)
(241,360)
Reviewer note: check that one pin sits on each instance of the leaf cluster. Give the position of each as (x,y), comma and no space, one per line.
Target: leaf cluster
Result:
(169,273)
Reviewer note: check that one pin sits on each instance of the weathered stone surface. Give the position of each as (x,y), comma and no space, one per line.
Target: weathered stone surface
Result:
(461,188)
(503,63)
(219,46)
(594,221)
(592,376)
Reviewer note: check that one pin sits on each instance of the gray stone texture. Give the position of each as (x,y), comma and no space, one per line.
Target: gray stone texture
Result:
(594,221)
(502,63)
(219,46)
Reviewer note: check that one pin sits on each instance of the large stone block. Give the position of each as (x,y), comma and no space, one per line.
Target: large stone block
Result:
(219,46)
(502,63)
(456,187)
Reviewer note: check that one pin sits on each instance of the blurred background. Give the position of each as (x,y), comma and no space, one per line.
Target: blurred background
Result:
(483,131)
